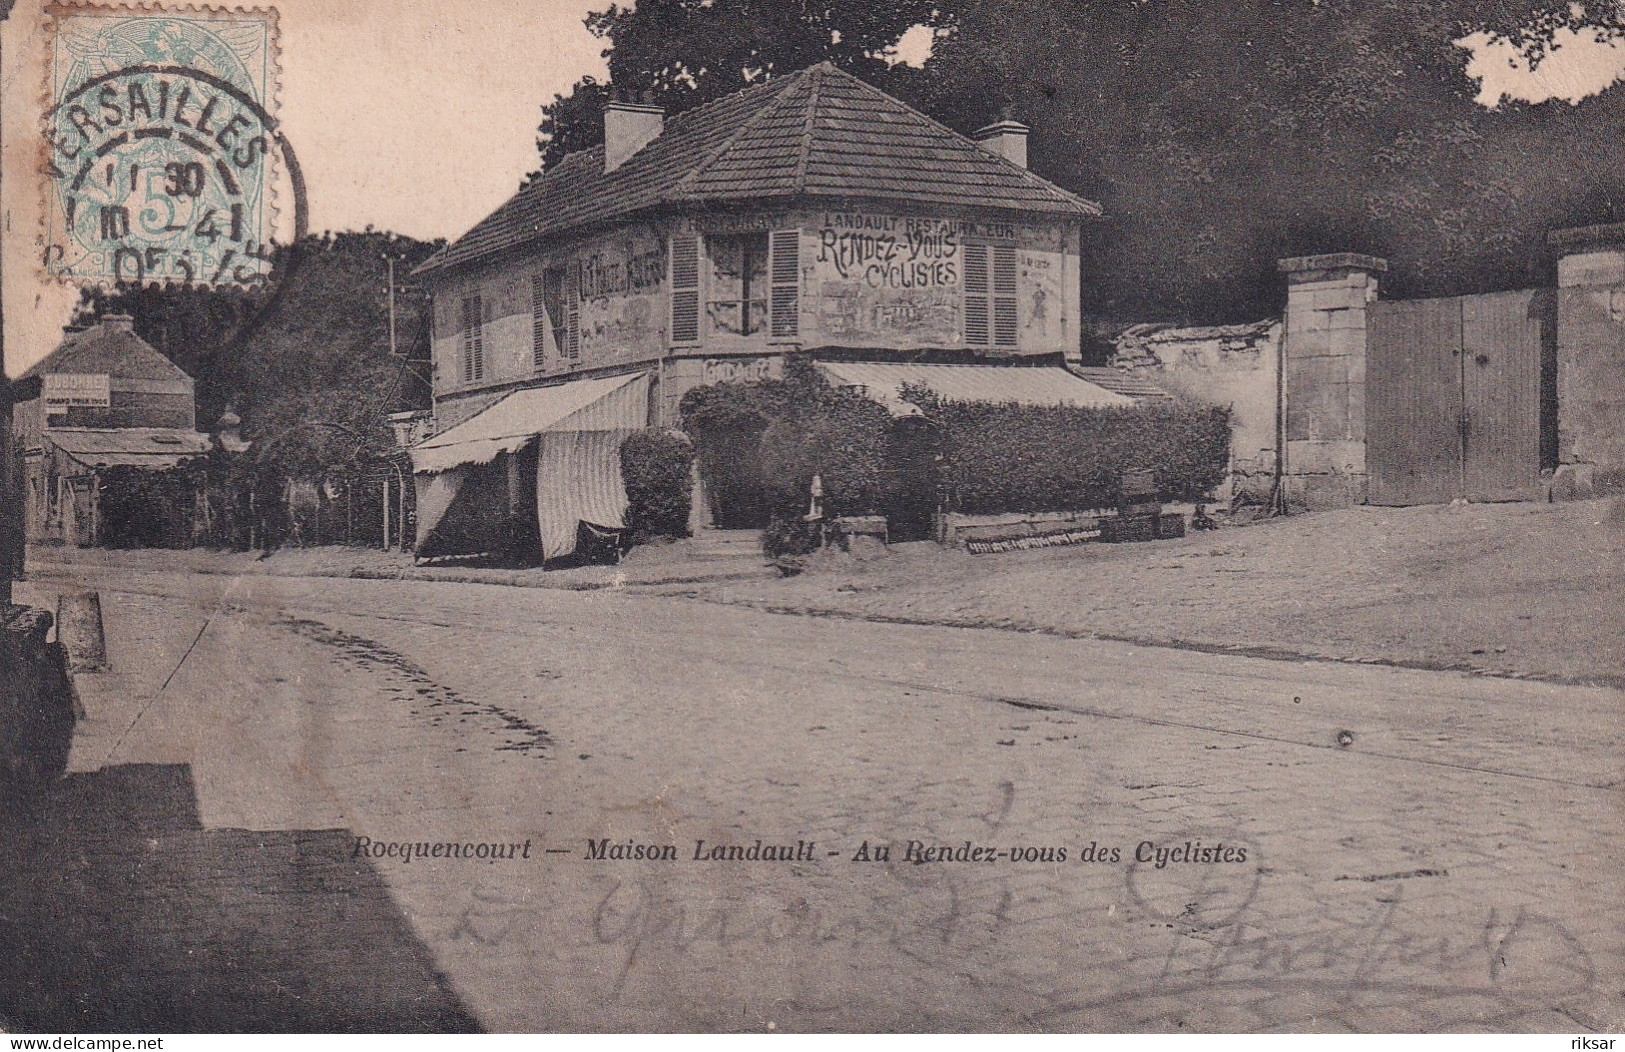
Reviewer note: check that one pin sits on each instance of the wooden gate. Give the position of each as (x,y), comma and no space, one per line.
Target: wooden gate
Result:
(1453,398)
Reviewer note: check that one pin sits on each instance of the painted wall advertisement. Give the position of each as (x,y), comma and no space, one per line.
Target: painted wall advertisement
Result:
(880,280)
(622,309)
(875,280)
(64,390)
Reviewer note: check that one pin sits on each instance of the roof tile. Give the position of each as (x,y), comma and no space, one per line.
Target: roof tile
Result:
(818,132)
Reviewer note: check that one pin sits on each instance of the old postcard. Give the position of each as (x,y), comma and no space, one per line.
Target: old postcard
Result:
(739,516)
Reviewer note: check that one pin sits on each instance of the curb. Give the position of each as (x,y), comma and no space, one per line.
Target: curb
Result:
(1265,653)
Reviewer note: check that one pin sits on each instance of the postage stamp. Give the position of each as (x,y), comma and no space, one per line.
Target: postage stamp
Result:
(160,144)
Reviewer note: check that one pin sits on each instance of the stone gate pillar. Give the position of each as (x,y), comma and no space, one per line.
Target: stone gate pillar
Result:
(1590,361)
(1323,378)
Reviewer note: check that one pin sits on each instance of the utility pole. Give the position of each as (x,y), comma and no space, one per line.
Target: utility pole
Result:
(389,258)
(389,261)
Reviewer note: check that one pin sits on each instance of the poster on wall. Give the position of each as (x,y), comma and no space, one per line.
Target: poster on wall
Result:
(622,312)
(886,280)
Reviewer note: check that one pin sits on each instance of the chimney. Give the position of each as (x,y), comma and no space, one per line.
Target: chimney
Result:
(119,322)
(629,126)
(1007,138)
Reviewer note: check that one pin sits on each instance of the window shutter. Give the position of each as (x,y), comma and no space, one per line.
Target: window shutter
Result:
(685,288)
(976,296)
(572,312)
(538,321)
(473,348)
(784,273)
(1004,296)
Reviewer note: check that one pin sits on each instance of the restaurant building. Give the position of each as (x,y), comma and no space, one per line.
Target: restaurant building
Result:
(809,215)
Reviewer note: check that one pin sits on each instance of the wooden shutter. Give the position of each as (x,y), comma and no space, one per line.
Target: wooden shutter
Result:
(784,274)
(1004,296)
(685,288)
(977,287)
(539,323)
(572,315)
(473,326)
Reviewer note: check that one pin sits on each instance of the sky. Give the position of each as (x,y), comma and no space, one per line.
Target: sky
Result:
(420,117)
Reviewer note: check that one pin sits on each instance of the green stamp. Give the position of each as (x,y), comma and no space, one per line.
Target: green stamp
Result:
(160,144)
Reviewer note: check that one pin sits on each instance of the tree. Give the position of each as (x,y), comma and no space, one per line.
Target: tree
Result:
(1295,127)
(1219,137)
(305,363)
(685,53)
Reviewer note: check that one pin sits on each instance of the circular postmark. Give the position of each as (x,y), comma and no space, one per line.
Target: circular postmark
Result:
(159,154)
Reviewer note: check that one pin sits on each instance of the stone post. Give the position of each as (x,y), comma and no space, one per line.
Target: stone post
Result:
(1590,361)
(1323,378)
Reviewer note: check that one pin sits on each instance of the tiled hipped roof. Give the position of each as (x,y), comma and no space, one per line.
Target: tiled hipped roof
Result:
(815,133)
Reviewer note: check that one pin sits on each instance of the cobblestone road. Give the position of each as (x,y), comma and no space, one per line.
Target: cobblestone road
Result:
(1422,850)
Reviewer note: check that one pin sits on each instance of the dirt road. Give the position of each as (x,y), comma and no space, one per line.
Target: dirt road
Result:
(1248,844)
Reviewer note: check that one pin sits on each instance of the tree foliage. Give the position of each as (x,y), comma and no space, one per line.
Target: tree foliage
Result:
(305,362)
(1219,137)
(1295,127)
(685,53)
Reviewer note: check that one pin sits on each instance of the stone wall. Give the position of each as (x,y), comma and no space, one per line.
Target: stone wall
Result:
(1233,365)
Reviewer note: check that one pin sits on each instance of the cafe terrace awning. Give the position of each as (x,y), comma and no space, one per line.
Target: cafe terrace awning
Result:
(612,403)
(148,448)
(1023,385)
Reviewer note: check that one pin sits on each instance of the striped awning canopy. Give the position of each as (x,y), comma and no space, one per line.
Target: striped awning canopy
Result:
(1022,385)
(606,404)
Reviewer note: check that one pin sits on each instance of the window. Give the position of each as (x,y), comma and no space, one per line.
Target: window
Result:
(784,248)
(738,299)
(685,289)
(555,316)
(472,328)
(990,296)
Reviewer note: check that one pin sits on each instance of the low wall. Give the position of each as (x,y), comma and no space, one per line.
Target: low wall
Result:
(956,529)
(36,704)
(1233,365)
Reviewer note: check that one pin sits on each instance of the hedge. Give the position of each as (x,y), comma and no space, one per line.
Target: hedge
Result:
(657,468)
(798,427)
(1016,458)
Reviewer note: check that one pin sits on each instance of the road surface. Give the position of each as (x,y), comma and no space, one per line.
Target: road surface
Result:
(704,817)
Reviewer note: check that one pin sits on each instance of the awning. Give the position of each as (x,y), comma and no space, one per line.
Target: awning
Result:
(1023,385)
(150,448)
(612,403)
(578,479)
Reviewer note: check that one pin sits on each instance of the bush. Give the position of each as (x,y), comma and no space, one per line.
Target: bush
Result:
(1015,458)
(657,468)
(789,535)
(761,443)
(837,435)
